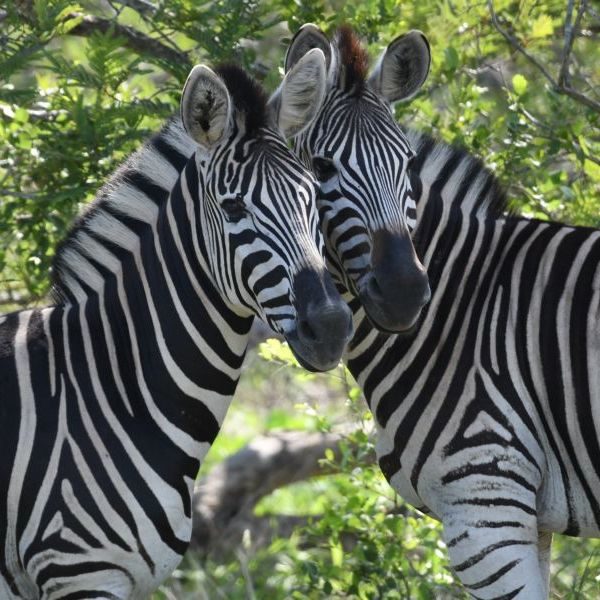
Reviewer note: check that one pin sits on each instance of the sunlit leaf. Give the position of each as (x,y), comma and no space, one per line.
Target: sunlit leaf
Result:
(541,27)
(519,84)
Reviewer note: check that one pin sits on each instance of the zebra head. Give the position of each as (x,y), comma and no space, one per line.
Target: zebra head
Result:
(256,218)
(360,157)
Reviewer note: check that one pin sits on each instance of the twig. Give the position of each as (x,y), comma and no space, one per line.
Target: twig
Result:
(515,44)
(134,39)
(560,87)
(591,158)
(582,98)
(142,6)
(16,194)
(566,55)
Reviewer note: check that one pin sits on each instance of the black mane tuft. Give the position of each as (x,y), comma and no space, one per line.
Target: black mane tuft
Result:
(247,96)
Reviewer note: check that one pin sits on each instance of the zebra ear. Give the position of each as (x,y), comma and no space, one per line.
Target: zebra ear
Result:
(402,68)
(309,36)
(205,106)
(298,99)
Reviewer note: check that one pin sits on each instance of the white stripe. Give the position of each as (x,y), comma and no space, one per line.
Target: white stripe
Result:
(27,425)
(49,479)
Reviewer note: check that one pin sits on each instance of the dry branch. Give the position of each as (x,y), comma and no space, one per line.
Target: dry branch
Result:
(133,39)
(561,85)
(224,500)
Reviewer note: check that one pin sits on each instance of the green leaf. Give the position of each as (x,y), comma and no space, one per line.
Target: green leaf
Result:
(542,27)
(519,84)
(337,554)
(451,58)
(21,115)
(592,169)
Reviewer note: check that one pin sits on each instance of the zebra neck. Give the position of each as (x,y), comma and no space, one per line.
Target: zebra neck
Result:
(506,273)
(162,339)
(457,199)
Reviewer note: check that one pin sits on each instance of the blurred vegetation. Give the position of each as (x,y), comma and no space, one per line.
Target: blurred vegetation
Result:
(81,84)
(515,82)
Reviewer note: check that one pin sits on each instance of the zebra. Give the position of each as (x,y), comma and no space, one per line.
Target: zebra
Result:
(360,156)
(487,406)
(112,396)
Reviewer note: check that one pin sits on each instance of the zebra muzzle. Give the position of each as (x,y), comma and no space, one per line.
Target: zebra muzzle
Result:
(323,324)
(395,290)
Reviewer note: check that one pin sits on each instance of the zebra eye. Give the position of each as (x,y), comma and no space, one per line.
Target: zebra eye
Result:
(234,208)
(323,168)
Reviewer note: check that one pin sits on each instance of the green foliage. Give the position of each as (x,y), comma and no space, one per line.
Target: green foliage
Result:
(75,102)
(368,544)
(491,99)
(77,95)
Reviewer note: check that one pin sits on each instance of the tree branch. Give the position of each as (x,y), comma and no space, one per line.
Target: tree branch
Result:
(559,86)
(137,41)
(141,6)
(224,500)
(568,46)
(134,39)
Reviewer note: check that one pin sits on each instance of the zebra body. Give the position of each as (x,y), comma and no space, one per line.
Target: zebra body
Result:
(488,414)
(104,453)
(112,397)
(488,407)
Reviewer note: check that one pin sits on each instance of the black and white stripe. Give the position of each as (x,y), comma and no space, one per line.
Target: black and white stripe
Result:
(488,412)
(361,158)
(111,397)
(369,190)
(488,409)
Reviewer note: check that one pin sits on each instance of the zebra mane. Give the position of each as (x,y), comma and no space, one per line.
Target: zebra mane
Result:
(474,187)
(247,95)
(135,189)
(353,59)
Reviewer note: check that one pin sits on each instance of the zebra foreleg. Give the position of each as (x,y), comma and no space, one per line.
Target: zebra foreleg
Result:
(544,551)
(497,559)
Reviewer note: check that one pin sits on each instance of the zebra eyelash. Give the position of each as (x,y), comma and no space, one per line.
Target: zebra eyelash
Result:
(234,208)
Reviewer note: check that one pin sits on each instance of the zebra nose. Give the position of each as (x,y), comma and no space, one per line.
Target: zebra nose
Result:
(410,290)
(397,287)
(323,321)
(325,324)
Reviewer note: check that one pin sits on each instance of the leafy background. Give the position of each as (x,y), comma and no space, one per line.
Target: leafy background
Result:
(82,84)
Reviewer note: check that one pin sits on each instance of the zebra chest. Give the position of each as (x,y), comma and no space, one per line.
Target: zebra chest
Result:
(122,551)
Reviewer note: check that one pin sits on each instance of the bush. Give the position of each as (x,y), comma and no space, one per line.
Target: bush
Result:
(82,85)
